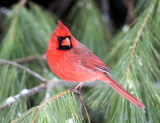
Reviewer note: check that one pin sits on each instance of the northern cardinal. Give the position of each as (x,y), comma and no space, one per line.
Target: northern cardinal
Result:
(72,61)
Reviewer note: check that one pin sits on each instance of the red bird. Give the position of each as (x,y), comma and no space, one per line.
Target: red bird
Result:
(72,61)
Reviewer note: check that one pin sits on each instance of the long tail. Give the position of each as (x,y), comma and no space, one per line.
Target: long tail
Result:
(122,91)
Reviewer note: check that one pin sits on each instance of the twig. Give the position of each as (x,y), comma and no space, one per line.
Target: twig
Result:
(61,82)
(30,58)
(38,58)
(49,87)
(38,76)
(28,92)
(34,119)
(42,105)
(77,91)
(23,94)
(136,41)
(80,108)
(24,115)
(53,98)
(80,97)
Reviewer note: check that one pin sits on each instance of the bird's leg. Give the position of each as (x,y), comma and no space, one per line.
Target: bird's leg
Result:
(79,86)
(76,90)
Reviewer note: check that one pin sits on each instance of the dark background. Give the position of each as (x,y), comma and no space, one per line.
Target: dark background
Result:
(117,12)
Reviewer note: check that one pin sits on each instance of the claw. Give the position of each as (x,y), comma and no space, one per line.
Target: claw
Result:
(76,90)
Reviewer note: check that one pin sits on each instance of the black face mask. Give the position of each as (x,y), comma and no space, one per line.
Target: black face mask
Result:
(60,40)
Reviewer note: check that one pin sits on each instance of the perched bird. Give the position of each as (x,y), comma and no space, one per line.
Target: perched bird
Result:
(72,61)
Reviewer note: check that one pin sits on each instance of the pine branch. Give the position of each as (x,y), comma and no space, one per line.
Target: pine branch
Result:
(38,76)
(80,97)
(51,84)
(23,94)
(137,38)
(49,87)
(31,58)
(42,105)
(37,110)
(34,119)
(141,71)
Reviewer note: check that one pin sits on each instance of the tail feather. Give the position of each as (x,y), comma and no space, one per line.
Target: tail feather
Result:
(122,91)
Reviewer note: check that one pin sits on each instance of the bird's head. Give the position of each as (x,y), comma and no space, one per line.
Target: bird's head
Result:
(61,38)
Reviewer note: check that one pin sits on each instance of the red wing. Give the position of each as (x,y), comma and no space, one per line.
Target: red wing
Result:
(93,62)
(89,59)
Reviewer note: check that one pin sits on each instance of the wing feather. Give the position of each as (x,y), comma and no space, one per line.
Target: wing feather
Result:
(89,59)
(95,63)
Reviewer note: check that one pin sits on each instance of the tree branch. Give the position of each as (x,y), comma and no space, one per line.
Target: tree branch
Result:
(136,40)
(49,84)
(31,58)
(28,92)
(42,105)
(80,97)
(49,87)
(23,94)
(38,76)
(46,102)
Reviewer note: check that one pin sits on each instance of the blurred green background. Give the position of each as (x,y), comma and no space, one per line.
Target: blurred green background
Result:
(123,33)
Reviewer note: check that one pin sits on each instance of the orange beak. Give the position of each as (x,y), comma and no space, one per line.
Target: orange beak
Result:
(66,42)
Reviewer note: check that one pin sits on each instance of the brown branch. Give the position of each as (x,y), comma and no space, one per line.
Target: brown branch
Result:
(34,119)
(80,97)
(42,105)
(59,81)
(48,83)
(53,98)
(24,115)
(31,58)
(38,76)
(136,41)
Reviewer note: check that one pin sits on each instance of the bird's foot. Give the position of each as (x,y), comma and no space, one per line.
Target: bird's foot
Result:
(75,91)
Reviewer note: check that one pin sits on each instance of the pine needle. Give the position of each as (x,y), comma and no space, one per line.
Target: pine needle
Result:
(136,40)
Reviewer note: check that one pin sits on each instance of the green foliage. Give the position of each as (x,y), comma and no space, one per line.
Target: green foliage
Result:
(27,34)
(12,82)
(137,70)
(133,57)
(88,26)
(27,29)
(63,109)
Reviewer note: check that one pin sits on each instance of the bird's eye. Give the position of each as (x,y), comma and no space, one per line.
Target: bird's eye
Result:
(59,39)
